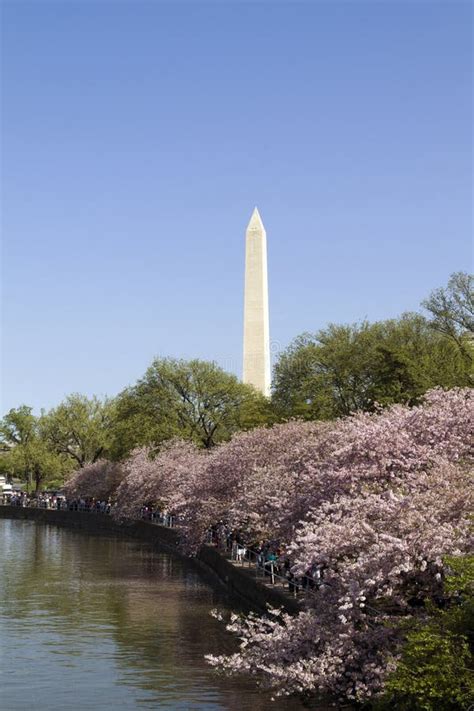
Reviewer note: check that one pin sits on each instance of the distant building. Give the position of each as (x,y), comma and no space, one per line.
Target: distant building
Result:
(5,488)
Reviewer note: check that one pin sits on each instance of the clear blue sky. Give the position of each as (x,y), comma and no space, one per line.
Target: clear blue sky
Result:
(138,136)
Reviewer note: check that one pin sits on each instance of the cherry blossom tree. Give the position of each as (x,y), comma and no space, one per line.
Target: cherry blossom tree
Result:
(387,499)
(374,502)
(99,480)
(170,481)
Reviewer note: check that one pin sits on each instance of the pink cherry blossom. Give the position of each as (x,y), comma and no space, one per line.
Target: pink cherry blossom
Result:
(99,480)
(374,501)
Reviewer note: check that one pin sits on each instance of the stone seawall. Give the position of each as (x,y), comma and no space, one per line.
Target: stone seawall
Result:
(240,582)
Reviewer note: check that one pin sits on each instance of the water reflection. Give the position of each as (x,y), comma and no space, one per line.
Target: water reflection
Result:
(88,621)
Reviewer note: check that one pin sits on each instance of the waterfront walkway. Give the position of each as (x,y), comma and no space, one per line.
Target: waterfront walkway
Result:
(267,573)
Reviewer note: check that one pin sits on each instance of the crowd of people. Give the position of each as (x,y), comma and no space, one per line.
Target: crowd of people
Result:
(269,557)
(58,502)
(157,515)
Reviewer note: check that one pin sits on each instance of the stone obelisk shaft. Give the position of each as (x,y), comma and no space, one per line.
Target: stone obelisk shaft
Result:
(256,328)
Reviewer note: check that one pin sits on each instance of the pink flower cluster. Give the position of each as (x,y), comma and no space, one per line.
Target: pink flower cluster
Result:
(387,497)
(96,481)
(375,501)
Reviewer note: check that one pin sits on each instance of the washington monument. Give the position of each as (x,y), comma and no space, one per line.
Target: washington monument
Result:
(256,329)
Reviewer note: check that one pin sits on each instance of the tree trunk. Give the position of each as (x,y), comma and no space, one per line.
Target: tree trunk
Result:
(38,478)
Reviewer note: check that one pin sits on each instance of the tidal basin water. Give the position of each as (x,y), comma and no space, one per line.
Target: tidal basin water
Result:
(91,622)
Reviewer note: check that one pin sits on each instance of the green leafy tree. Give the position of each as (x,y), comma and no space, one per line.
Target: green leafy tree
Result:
(18,427)
(191,399)
(451,311)
(436,670)
(344,368)
(27,453)
(79,429)
(36,463)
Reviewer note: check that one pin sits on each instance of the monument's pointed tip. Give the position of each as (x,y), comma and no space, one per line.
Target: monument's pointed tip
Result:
(255,221)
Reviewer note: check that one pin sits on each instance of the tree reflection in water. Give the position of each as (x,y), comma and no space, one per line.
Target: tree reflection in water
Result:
(88,621)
